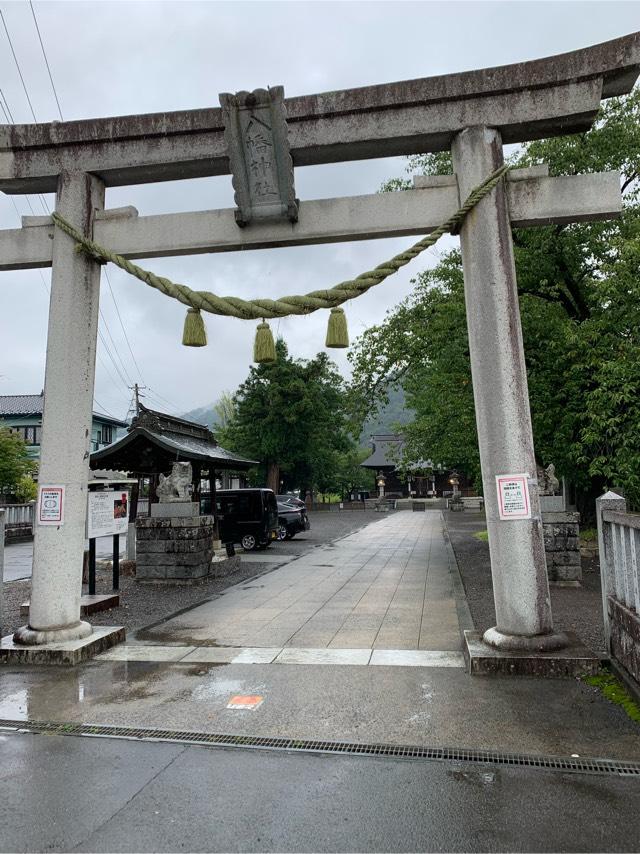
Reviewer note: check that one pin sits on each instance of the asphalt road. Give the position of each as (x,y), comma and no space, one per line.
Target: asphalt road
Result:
(64,793)
(18,557)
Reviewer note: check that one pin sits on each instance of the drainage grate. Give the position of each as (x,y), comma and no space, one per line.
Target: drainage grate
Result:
(441,754)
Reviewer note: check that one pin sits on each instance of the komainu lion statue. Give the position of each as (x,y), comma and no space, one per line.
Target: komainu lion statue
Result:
(548,483)
(177,486)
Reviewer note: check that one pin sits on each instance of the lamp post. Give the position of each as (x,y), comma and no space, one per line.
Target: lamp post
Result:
(454,480)
(380,482)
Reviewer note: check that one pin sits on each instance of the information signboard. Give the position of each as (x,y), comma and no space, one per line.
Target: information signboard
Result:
(51,504)
(513,496)
(108,513)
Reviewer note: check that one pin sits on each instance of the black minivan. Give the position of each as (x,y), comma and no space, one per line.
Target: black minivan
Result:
(247,516)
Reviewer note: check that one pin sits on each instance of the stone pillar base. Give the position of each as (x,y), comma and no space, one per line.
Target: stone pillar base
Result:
(56,652)
(36,637)
(571,660)
(525,643)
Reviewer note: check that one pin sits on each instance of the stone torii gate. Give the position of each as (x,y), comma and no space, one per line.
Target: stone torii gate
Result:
(473,114)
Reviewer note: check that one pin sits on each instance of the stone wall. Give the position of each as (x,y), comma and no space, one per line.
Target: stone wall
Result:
(562,547)
(624,633)
(174,549)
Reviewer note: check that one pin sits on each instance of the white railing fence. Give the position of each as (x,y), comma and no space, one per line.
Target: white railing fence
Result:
(619,548)
(19,515)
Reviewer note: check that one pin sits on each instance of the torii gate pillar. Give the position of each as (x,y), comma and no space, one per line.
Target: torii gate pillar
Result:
(54,613)
(518,566)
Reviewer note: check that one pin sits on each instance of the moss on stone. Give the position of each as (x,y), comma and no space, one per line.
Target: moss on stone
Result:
(614,690)
(482,535)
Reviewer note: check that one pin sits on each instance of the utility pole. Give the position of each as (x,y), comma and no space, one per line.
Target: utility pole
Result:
(136,391)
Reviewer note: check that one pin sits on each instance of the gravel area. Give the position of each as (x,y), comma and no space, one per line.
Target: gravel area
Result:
(574,609)
(145,604)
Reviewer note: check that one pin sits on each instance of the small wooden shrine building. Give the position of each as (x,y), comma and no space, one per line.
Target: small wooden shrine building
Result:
(155,441)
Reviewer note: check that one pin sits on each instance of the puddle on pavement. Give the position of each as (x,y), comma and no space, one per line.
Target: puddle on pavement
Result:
(87,693)
(75,689)
(15,707)
(201,669)
(474,777)
(177,636)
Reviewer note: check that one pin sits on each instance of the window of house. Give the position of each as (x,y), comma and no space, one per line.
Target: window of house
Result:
(106,437)
(29,435)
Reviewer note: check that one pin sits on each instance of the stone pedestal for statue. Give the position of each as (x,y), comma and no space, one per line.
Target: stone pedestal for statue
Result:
(562,547)
(174,548)
(175,544)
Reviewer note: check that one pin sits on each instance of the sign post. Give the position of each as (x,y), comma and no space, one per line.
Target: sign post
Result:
(108,515)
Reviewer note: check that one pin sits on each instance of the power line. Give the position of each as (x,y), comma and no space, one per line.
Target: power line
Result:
(15,59)
(55,93)
(19,215)
(44,53)
(46,208)
(113,361)
(158,396)
(5,107)
(26,92)
(9,116)
(124,331)
(106,411)
(115,346)
(106,368)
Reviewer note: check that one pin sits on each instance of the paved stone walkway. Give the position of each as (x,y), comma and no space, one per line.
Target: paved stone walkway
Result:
(385,589)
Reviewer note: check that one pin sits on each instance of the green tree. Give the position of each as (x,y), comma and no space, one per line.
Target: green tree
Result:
(15,462)
(291,415)
(26,489)
(579,287)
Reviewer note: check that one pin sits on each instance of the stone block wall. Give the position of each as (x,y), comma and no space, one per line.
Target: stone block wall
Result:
(562,547)
(174,549)
(624,636)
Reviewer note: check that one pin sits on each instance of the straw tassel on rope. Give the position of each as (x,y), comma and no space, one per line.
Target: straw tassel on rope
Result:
(337,332)
(264,348)
(194,333)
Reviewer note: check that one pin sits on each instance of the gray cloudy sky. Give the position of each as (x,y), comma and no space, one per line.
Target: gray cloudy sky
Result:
(111,58)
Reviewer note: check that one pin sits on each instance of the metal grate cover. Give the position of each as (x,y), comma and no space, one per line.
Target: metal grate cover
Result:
(441,754)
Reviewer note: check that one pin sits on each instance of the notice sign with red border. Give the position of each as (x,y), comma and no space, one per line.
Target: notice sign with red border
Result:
(51,505)
(513,496)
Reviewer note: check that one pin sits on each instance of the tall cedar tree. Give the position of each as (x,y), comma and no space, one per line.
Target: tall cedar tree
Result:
(291,416)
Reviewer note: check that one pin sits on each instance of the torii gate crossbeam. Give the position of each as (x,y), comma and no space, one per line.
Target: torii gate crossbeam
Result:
(473,114)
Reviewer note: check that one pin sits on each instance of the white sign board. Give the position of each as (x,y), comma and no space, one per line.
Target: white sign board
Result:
(108,513)
(51,505)
(513,496)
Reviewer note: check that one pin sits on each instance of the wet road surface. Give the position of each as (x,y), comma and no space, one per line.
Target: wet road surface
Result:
(65,793)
